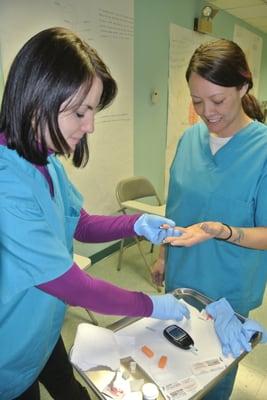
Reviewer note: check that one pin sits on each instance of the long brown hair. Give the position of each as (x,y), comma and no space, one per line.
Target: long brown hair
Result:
(224,63)
(49,69)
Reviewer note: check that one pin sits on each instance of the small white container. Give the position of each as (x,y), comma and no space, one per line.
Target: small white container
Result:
(150,391)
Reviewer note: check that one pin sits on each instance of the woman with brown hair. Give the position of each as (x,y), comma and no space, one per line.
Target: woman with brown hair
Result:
(219,173)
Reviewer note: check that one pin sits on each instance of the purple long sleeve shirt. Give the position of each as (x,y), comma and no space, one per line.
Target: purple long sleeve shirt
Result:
(76,287)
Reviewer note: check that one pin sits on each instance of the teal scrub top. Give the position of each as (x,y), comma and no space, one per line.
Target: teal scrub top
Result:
(231,187)
(36,242)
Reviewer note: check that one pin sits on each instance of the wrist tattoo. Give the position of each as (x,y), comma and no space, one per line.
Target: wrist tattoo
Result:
(230,232)
(240,235)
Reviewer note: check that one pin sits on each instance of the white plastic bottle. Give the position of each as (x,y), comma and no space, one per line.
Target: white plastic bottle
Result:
(150,391)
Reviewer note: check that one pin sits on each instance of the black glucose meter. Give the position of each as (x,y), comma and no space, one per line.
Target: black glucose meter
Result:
(178,337)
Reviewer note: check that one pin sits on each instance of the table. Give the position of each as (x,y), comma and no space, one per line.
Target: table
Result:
(144,207)
(144,331)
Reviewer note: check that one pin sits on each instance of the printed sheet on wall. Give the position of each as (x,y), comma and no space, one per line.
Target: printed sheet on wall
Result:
(107,26)
(181,114)
(251,44)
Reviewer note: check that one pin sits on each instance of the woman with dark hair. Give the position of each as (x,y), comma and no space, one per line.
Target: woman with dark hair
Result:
(219,173)
(55,86)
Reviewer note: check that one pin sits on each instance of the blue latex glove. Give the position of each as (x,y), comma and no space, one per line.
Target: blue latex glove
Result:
(250,327)
(149,226)
(233,335)
(166,306)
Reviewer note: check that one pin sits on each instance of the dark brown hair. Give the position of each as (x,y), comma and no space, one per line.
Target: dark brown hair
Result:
(224,63)
(49,69)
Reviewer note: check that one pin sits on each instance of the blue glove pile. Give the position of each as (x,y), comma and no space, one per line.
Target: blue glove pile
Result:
(168,307)
(232,333)
(149,226)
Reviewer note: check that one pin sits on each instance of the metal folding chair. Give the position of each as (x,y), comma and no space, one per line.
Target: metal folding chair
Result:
(130,194)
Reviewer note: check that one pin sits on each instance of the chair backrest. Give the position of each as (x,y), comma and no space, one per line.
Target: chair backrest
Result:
(136,187)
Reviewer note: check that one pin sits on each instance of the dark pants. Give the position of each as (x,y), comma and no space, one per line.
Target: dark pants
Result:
(58,379)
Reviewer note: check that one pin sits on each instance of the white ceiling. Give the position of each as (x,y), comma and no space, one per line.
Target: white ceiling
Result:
(254,12)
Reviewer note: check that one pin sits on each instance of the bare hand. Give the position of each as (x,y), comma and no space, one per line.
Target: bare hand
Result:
(196,233)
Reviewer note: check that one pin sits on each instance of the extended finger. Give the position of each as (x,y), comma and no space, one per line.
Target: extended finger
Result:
(245,343)
(181,241)
(226,350)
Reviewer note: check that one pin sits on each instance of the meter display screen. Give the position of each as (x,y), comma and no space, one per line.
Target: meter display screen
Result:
(178,337)
(177,333)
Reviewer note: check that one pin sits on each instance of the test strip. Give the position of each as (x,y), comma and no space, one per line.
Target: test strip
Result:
(162,362)
(147,351)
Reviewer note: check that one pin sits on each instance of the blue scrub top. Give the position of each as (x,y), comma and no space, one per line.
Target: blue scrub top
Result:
(36,239)
(231,187)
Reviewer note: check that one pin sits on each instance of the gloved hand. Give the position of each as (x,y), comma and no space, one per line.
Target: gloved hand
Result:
(166,306)
(250,327)
(149,225)
(233,335)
